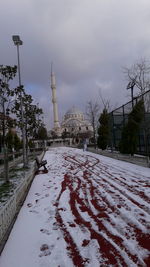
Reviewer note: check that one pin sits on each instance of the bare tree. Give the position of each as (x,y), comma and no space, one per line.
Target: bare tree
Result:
(105,102)
(92,112)
(139,75)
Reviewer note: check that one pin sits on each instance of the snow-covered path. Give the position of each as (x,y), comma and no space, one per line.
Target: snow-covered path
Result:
(88,210)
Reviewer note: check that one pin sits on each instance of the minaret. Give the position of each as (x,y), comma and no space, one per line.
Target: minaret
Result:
(54,101)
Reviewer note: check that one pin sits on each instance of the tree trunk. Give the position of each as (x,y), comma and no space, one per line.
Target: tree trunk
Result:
(6,164)
(5,148)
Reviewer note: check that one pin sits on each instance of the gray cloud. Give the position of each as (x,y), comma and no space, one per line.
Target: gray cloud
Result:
(88,41)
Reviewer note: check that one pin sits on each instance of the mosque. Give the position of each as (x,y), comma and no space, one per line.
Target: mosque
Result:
(74,124)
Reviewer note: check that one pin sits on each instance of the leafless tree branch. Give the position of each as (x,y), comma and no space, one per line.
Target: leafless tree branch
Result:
(140,74)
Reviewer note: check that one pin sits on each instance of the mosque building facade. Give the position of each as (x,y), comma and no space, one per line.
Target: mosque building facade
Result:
(75,125)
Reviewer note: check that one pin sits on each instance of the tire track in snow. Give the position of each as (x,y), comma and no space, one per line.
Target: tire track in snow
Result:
(74,253)
(76,164)
(115,185)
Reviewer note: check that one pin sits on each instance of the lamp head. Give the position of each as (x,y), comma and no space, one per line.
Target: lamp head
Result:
(16,40)
(132,83)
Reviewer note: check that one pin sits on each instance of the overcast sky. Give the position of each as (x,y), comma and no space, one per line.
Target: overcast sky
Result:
(88,41)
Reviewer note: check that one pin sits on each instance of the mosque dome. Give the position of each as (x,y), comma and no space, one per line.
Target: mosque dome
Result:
(73,114)
(73,110)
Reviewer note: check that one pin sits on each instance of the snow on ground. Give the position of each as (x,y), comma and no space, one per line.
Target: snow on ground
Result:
(88,210)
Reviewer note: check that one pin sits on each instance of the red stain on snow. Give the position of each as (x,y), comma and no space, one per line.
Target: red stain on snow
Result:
(99,209)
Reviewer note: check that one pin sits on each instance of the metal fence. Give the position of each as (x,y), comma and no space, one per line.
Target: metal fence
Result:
(118,119)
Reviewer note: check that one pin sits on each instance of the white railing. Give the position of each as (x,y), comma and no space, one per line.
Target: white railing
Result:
(6,216)
(8,211)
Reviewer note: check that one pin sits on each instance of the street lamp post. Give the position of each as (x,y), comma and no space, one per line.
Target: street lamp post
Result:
(18,42)
(131,86)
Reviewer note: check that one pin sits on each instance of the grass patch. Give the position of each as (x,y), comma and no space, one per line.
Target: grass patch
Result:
(16,174)
(6,189)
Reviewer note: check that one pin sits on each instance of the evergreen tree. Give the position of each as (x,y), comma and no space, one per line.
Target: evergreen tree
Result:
(1,140)
(42,133)
(17,142)
(13,141)
(128,143)
(103,130)
(31,144)
(10,140)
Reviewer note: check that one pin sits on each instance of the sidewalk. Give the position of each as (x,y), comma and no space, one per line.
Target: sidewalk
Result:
(88,210)
(136,159)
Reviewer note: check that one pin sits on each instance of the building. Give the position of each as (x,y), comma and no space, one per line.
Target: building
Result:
(74,124)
